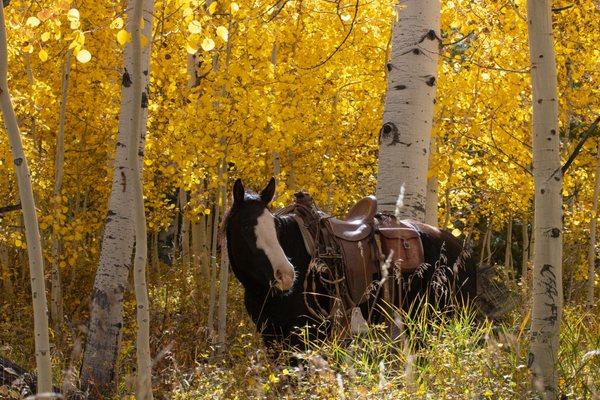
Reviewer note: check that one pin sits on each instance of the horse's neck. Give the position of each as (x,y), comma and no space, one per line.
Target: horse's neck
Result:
(291,240)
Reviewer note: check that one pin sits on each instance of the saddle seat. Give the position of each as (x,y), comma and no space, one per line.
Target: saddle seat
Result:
(358,220)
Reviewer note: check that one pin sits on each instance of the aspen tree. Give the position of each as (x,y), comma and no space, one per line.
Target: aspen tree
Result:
(144,361)
(32,233)
(408,115)
(508,258)
(98,370)
(525,255)
(431,203)
(56,301)
(546,313)
(593,229)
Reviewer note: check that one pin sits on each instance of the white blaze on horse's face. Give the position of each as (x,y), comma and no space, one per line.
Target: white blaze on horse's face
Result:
(266,240)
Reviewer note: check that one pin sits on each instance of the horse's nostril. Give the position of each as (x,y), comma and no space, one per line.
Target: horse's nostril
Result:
(278,275)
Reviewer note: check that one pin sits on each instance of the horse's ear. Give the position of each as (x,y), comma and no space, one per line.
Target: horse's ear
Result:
(238,191)
(268,192)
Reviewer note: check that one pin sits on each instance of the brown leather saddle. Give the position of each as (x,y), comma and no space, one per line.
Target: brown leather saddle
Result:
(348,254)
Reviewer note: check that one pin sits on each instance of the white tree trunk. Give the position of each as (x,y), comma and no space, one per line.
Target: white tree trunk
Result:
(184,243)
(525,255)
(135,108)
(592,244)
(56,303)
(98,370)
(484,245)
(224,282)
(408,114)
(431,204)
(508,261)
(213,271)
(32,233)
(547,260)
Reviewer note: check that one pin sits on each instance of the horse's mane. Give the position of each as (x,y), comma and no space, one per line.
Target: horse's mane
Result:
(248,195)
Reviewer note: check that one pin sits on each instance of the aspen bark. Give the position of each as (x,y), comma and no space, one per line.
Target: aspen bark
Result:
(224,282)
(144,361)
(184,237)
(214,265)
(32,233)
(448,208)
(525,255)
(56,302)
(431,203)
(409,105)
(592,244)
(508,261)
(484,244)
(199,247)
(98,370)
(546,312)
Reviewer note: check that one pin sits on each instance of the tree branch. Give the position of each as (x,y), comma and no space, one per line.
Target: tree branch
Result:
(6,209)
(586,135)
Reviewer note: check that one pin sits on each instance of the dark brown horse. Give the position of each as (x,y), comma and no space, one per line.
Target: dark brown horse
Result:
(268,256)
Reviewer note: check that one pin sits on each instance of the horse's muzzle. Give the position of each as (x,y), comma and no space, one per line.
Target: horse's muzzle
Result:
(284,277)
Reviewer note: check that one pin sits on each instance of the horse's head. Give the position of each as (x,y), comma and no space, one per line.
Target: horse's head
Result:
(255,253)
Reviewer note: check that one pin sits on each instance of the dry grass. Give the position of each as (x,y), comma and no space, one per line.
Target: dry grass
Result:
(440,358)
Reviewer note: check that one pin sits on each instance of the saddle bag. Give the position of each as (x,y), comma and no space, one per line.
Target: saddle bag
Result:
(404,243)
(356,245)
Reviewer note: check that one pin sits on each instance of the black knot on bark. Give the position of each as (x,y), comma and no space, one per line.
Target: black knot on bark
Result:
(389,66)
(144,100)
(431,35)
(430,81)
(389,131)
(126,81)
(416,51)
(18,161)
(555,232)
(400,87)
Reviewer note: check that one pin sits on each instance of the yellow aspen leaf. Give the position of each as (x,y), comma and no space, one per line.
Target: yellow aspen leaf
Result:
(45,36)
(32,22)
(117,23)
(43,55)
(73,15)
(223,33)
(44,14)
(123,37)
(212,8)
(28,49)
(208,44)
(191,48)
(83,56)
(456,232)
(235,7)
(18,243)
(346,17)
(195,27)
(187,11)
(75,24)
(64,4)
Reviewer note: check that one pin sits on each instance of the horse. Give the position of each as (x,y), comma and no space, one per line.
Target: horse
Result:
(268,256)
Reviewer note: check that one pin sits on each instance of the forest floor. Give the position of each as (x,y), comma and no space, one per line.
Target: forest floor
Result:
(443,358)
